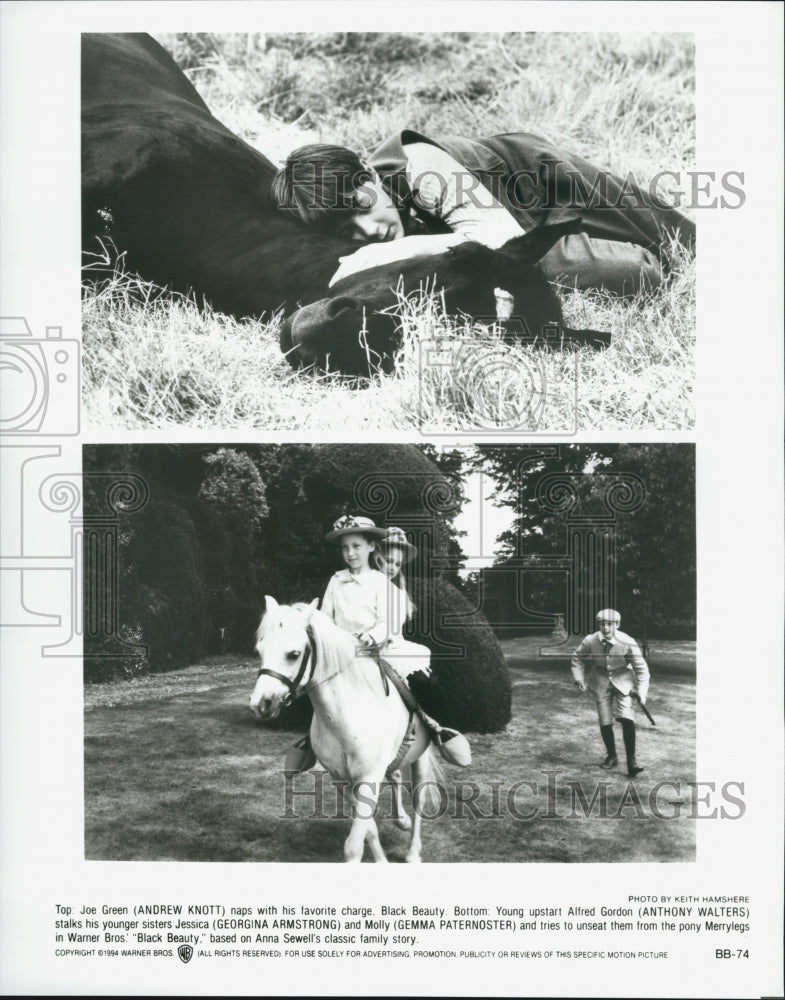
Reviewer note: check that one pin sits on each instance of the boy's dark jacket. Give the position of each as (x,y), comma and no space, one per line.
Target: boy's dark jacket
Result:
(539,183)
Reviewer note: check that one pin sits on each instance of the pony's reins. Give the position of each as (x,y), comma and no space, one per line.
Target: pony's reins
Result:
(309,656)
(293,684)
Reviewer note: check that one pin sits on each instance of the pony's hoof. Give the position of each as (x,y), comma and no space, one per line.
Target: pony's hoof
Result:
(413,858)
(404,823)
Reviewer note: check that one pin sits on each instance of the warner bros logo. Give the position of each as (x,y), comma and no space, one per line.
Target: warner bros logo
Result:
(185,952)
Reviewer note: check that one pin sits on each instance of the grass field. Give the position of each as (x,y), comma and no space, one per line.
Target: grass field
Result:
(623,101)
(176,769)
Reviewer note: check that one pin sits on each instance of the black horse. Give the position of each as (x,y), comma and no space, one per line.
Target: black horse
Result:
(188,203)
(357,328)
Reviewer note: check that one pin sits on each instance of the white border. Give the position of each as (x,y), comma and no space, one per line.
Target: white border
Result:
(740,544)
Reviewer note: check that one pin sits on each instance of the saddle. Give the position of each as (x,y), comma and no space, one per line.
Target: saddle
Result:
(452,745)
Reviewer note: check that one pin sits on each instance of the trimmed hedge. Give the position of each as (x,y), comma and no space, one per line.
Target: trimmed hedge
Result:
(470,687)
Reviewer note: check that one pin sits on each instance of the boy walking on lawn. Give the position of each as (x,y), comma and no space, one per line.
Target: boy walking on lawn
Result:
(616,669)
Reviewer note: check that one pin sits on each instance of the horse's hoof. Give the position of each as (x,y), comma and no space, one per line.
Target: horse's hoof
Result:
(413,858)
(404,823)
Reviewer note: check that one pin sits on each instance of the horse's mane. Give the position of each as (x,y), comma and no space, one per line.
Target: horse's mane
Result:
(333,645)
(272,618)
(335,649)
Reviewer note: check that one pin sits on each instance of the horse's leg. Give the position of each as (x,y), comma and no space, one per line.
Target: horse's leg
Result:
(400,816)
(420,771)
(374,843)
(365,795)
(342,797)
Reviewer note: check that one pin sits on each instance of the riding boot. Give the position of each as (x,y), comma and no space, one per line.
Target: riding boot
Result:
(452,745)
(609,740)
(300,755)
(628,729)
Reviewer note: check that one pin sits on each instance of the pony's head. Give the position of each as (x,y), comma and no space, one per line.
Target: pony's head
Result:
(286,649)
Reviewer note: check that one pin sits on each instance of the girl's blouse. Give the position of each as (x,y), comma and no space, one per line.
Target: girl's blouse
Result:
(361,604)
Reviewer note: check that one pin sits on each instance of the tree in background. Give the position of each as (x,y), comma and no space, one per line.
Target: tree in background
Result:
(162,596)
(454,463)
(655,543)
(229,513)
(225,526)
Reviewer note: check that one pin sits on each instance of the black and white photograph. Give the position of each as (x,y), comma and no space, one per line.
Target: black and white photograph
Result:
(435,232)
(514,692)
(391,494)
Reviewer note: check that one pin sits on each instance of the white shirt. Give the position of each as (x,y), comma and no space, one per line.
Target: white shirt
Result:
(447,190)
(359,603)
(444,188)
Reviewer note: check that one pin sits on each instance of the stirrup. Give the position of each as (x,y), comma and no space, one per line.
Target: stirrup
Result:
(453,746)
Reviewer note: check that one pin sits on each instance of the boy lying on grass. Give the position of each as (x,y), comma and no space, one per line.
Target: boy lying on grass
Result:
(490,191)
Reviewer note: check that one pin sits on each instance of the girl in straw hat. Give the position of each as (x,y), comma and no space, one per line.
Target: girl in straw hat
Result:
(405,657)
(389,556)
(357,600)
(357,597)
(361,600)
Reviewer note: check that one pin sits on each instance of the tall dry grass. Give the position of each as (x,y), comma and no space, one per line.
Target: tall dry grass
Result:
(623,101)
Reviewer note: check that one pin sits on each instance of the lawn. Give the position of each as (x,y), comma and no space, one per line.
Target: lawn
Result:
(176,769)
(626,102)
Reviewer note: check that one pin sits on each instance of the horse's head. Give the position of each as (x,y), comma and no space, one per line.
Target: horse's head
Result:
(286,649)
(356,329)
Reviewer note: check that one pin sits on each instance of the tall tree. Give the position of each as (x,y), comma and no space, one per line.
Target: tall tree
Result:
(454,463)
(654,562)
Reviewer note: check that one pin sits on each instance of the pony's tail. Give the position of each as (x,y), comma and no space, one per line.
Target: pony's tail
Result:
(431,799)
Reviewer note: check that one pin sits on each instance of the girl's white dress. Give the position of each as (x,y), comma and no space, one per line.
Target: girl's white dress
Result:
(369,604)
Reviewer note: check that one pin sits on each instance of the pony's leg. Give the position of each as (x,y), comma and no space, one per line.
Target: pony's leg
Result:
(420,772)
(363,824)
(343,798)
(400,816)
(374,843)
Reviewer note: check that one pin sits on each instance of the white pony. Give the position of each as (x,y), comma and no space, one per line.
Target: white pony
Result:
(361,728)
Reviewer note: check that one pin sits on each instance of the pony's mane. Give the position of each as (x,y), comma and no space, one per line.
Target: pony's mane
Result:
(272,618)
(327,635)
(335,649)
(332,643)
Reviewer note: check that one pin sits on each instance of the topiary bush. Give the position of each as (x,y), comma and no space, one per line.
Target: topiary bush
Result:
(470,687)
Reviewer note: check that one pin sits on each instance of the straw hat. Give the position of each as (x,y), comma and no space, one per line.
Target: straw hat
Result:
(350,524)
(396,538)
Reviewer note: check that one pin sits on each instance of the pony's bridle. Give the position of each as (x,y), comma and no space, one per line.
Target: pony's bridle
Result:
(300,680)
